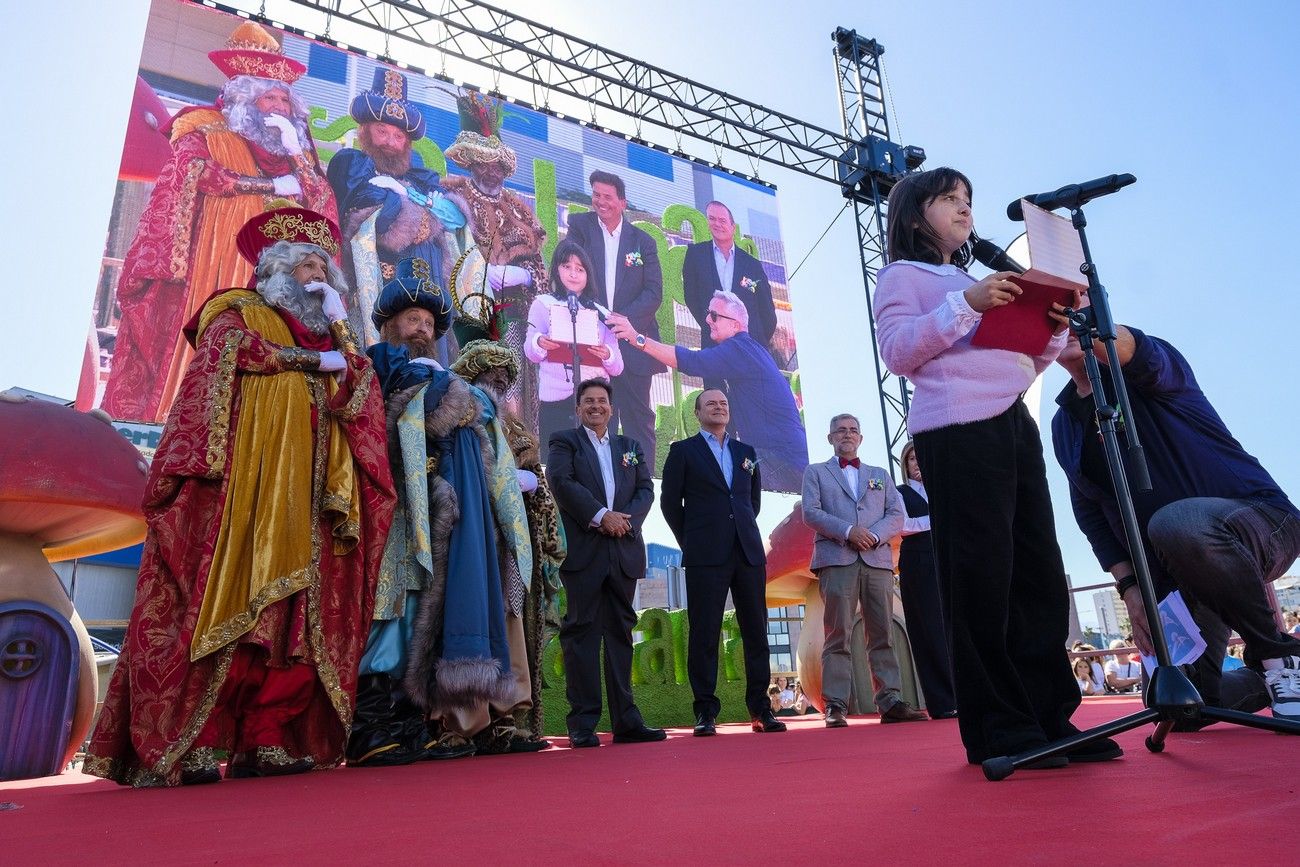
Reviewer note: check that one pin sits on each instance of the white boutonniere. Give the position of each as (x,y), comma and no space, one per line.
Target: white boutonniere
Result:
(875,484)
(630,459)
(749,283)
(748,466)
(633,259)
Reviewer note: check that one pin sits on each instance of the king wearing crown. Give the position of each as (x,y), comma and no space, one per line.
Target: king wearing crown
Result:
(268,502)
(504,227)
(229,162)
(392,206)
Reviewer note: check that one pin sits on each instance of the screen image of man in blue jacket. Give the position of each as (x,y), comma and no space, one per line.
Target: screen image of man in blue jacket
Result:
(763,410)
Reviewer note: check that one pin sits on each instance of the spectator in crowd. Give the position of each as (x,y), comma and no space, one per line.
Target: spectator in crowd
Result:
(1123,672)
(787,690)
(1293,622)
(1234,658)
(1083,677)
(802,703)
(774,698)
(1095,666)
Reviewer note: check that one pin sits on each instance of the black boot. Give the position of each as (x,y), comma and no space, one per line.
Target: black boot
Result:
(378,727)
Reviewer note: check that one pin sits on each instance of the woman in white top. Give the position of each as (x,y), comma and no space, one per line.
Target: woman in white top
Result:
(571,274)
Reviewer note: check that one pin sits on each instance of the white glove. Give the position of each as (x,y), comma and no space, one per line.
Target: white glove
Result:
(331,303)
(332,360)
(502,276)
(527,480)
(287,185)
(288,135)
(384,182)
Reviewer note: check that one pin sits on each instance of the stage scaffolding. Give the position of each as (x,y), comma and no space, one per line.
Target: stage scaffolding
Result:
(860,161)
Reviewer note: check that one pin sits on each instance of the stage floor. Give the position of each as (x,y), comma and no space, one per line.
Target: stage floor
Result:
(868,793)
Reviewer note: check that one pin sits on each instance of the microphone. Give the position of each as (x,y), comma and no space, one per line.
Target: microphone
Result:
(573,304)
(992,256)
(1071,196)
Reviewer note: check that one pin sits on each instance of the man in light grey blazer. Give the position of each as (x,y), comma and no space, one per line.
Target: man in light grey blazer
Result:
(854,510)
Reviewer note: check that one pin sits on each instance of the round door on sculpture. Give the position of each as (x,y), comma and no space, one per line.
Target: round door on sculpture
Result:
(39,667)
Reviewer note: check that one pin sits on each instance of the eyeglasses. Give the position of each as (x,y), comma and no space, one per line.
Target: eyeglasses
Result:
(713,314)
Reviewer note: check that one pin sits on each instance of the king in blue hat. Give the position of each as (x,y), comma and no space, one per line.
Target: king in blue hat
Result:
(411,286)
(390,206)
(386,102)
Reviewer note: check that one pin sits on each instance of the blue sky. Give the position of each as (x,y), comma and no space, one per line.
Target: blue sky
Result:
(1196,99)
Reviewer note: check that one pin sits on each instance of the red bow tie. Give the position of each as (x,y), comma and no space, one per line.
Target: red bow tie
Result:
(850,462)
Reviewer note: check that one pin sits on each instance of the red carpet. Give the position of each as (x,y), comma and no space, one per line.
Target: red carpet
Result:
(900,793)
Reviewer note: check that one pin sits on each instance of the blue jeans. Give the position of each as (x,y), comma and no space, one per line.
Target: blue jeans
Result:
(1221,552)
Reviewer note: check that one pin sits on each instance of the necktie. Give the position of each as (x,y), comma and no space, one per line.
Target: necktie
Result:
(850,462)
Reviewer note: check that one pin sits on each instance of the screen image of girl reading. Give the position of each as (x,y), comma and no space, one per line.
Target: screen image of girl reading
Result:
(571,274)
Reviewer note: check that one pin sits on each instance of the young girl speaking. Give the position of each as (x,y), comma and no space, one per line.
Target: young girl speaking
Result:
(982,460)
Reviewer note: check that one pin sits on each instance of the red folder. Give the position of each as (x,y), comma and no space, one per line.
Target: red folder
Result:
(1022,325)
(564,355)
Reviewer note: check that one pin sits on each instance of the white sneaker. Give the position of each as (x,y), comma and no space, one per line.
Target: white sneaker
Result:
(1284,688)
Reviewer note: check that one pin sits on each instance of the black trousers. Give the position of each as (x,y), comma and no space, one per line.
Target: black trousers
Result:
(634,413)
(599,610)
(706,594)
(1000,568)
(927,623)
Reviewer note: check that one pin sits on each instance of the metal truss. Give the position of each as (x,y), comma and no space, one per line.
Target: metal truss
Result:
(862,161)
(510,45)
(862,105)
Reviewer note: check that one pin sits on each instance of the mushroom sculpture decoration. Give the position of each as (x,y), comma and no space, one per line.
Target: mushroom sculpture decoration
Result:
(70,486)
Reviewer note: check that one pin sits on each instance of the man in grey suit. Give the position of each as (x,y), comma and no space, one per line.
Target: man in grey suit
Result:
(854,510)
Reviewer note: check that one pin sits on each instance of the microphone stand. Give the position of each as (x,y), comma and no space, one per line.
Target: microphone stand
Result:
(577,355)
(1170,697)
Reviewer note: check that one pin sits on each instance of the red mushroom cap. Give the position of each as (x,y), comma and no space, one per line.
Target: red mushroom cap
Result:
(68,479)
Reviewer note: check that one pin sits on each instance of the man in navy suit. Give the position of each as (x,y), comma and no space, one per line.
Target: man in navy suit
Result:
(601,482)
(626,260)
(720,266)
(711,490)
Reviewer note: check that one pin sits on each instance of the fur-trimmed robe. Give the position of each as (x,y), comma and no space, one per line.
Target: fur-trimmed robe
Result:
(430,682)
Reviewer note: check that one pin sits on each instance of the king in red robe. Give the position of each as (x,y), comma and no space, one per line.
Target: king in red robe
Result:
(268,502)
(229,161)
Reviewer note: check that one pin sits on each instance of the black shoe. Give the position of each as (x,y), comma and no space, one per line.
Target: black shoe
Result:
(943,714)
(1101,750)
(267,762)
(387,756)
(522,744)
(642,735)
(766,722)
(835,718)
(578,740)
(449,746)
(705,726)
(199,767)
(901,711)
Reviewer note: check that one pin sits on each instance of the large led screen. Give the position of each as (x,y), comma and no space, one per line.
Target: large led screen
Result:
(511,209)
